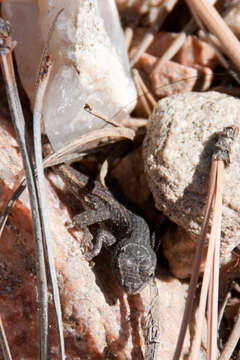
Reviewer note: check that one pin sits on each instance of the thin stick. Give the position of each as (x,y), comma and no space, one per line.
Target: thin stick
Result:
(4,343)
(220,155)
(205,283)
(213,299)
(153,327)
(223,306)
(196,266)
(37,117)
(217,46)
(170,52)
(219,28)
(146,92)
(19,125)
(128,35)
(161,14)
(4,216)
(232,340)
(141,93)
(89,109)
(46,47)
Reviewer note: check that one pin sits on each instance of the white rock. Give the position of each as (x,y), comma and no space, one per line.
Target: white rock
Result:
(90,63)
(177,155)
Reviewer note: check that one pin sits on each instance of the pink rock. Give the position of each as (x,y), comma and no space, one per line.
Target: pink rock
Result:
(180,251)
(172,78)
(193,52)
(100,321)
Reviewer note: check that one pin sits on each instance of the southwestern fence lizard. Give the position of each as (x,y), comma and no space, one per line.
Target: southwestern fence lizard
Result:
(134,261)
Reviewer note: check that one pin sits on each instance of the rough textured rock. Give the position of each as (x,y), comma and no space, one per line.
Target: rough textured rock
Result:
(172,77)
(192,52)
(100,321)
(90,62)
(177,155)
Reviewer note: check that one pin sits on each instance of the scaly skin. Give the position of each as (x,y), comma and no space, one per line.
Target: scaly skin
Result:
(134,261)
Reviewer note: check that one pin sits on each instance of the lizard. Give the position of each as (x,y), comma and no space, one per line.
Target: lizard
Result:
(133,260)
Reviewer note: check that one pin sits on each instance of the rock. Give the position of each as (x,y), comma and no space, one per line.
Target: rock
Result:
(179,249)
(193,51)
(100,321)
(90,63)
(133,183)
(177,155)
(172,77)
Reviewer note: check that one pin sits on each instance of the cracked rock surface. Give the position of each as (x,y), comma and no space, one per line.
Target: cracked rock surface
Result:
(177,155)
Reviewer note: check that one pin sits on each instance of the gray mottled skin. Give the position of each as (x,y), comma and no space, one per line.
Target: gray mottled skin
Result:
(134,261)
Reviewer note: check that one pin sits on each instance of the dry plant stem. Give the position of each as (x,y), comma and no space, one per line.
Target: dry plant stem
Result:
(19,125)
(147,93)
(171,51)
(37,117)
(153,338)
(89,109)
(17,193)
(140,92)
(232,340)
(222,308)
(175,46)
(4,343)
(217,47)
(196,266)
(128,34)
(212,349)
(134,123)
(95,135)
(216,25)
(162,12)
(216,225)
(46,47)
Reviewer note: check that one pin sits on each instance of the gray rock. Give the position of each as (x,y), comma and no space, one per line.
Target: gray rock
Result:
(177,155)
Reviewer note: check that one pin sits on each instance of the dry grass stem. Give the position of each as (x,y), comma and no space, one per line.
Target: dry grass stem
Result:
(4,343)
(171,51)
(216,25)
(141,93)
(196,266)
(134,123)
(7,47)
(160,15)
(128,34)
(45,71)
(232,340)
(207,271)
(212,350)
(153,327)
(146,91)
(222,307)
(89,109)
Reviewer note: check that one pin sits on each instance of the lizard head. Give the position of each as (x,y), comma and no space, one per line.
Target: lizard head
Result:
(134,267)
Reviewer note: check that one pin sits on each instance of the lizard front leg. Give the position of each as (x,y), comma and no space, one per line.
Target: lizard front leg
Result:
(102,236)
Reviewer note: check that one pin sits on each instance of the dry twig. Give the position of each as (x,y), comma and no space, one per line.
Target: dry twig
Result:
(210,278)
(216,25)
(6,48)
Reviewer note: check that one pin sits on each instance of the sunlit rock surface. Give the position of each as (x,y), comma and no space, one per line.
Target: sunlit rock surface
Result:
(90,62)
(177,157)
(100,321)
